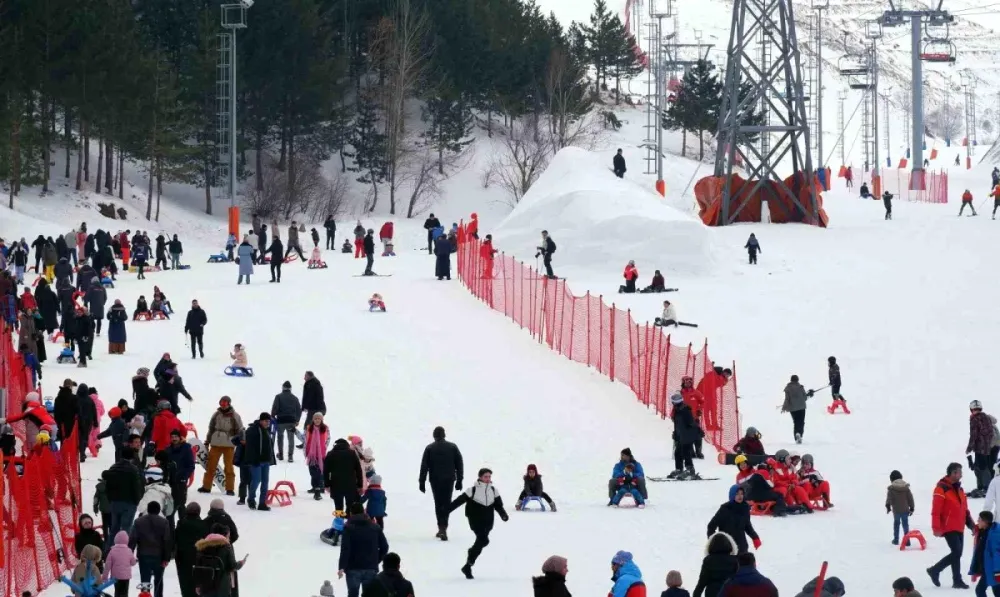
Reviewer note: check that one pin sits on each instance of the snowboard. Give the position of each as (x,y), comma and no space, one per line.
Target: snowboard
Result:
(201,457)
(668,479)
(752,459)
(373,276)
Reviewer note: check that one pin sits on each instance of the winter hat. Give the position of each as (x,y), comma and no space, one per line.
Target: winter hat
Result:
(438,432)
(225,400)
(554,564)
(217,504)
(733,491)
(115,413)
(142,371)
(895,476)
(621,558)
(287,385)
(834,586)
(32,397)
(326,590)
(674,579)
(676,398)
(375,479)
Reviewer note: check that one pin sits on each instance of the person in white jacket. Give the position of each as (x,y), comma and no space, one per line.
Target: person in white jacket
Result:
(669,316)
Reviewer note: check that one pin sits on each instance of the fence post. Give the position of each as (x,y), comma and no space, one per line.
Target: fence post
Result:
(611,351)
(600,336)
(572,323)
(521,273)
(662,386)
(541,309)
(588,328)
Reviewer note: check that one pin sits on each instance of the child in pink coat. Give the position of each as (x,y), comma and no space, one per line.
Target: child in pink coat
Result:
(118,565)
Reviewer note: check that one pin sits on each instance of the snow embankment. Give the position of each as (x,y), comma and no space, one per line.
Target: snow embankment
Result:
(596,219)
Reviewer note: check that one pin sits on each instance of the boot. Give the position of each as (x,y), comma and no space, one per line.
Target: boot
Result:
(676,473)
(204,490)
(467,571)
(552,506)
(935,577)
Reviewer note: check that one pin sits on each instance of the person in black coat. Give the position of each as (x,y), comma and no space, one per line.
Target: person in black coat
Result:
(144,398)
(619,164)
(85,337)
(686,434)
(369,243)
(342,474)
(481,501)
(442,263)
(190,530)
(362,547)
(258,456)
(124,486)
(277,253)
(66,408)
(87,417)
(164,365)
(217,515)
(429,225)
(546,250)
(86,534)
(331,231)
(442,461)
(161,252)
(718,566)
(179,452)
(733,519)
(48,306)
(390,582)
(262,242)
(312,397)
(194,325)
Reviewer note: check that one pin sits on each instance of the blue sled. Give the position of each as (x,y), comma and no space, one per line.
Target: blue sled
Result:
(107,283)
(218,258)
(532,498)
(90,587)
(183,267)
(237,373)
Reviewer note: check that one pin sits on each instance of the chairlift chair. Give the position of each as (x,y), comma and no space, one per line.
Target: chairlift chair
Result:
(852,66)
(939,50)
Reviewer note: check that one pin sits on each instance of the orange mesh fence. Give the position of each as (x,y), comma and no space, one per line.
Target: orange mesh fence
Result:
(40,497)
(898,181)
(587,330)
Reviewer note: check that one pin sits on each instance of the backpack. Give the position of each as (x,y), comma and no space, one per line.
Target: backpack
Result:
(552,246)
(208,572)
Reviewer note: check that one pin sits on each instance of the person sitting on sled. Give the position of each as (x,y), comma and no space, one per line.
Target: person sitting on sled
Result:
(750,444)
(626,458)
(167,307)
(346,247)
(388,250)
(669,316)
(157,306)
(239,356)
(333,534)
(746,471)
(657,285)
(66,355)
(628,483)
(786,481)
(140,308)
(533,488)
(315,259)
(759,488)
(812,481)
(376,303)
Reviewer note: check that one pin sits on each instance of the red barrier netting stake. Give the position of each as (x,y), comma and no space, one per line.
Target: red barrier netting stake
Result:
(642,358)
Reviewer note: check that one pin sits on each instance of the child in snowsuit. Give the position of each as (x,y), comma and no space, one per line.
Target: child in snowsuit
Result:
(157,306)
(375,303)
(752,247)
(346,248)
(88,570)
(336,530)
(533,488)
(375,500)
(899,502)
(119,564)
(240,362)
(141,307)
(628,484)
(66,355)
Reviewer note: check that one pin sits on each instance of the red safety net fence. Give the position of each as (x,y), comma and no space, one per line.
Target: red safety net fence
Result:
(41,496)
(587,330)
(898,182)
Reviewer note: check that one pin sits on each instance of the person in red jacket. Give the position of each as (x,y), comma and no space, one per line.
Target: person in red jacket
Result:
(486,253)
(696,400)
(967,200)
(35,416)
(813,482)
(385,235)
(28,300)
(949,518)
(786,481)
(472,228)
(631,275)
(164,422)
(750,444)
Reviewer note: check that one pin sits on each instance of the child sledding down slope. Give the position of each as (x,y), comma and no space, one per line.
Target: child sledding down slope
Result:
(628,483)
(533,488)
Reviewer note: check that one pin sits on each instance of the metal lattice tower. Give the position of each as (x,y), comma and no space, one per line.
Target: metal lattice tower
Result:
(653,124)
(841,124)
(776,83)
(234,16)
(867,136)
(765,63)
(885,116)
(223,96)
(973,137)
(810,86)
(818,96)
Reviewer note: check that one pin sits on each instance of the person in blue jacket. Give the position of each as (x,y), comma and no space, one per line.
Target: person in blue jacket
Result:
(986,555)
(375,500)
(619,471)
(626,576)
(140,255)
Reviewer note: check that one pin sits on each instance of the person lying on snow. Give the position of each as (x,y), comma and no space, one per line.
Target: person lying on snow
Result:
(750,444)
(140,307)
(631,275)
(533,488)
(628,483)
(239,356)
(157,306)
(619,470)
(657,284)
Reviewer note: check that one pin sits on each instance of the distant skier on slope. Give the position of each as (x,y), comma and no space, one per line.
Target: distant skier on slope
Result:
(996,199)
(545,250)
(887,201)
(967,201)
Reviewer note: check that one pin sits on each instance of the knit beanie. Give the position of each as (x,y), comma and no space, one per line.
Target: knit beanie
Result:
(834,586)
(217,504)
(375,479)
(621,558)
(326,590)
(895,476)
(554,564)
(676,398)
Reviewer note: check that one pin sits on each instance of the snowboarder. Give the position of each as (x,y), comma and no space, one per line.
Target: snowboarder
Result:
(732,519)
(686,433)
(480,501)
(887,201)
(619,164)
(967,201)
(795,404)
(442,462)
(533,488)
(545,250)
(752,247)
(631,275)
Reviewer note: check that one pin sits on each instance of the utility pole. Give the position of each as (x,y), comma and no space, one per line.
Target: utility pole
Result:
(895,17)
(841,125)
(234,17)
(873,31)
(967,85)
(819,84)
(885,113)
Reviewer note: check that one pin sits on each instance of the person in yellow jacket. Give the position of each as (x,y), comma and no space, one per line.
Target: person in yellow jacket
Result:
(49,259)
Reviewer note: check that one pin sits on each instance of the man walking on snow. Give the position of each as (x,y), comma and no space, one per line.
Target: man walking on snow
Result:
(286,411)
(194,325)
(795,404)
(949,519)
(619,164)
(442,461)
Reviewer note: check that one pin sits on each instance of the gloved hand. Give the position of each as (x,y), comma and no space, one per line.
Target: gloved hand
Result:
(504,518)
(756,543)
(458,485)
(888,509)
(810,394)
(911,512)
(423,488)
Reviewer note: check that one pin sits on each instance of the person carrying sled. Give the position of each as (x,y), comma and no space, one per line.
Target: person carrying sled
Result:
(480,501)
(619,470)
(887,201)
(240,361)
(686,433)
(533,488)
(752,247)
(631,275)
(628,484)
(899,503)
(732,520)
(967,201)
(657,285)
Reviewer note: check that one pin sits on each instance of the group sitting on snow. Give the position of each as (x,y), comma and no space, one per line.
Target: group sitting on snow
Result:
(786,482)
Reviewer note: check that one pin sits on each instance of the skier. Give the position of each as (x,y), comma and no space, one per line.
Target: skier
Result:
(631,275)
(533,488)
(331,232)
(686,433)
(887,201)
(545,250)
(359,240)
(369,247)
(699,406)
(967,201)
(194,325)
(752,247)
(430,224)
(795,404)
(480,501)
(733,519)
(619,164)
(981,436)
(996,199)
(995,175)
(442,462)
(865,193)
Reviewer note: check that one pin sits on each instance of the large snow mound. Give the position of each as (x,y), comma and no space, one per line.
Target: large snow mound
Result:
(596,218)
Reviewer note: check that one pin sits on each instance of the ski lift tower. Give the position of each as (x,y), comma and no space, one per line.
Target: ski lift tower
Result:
(234,17)
(895,17)
(658,10)
(777,84)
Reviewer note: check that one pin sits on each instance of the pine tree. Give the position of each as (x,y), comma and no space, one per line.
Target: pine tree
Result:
(696,104)
(627,62)
(370,146)
(449,124)
(602,40)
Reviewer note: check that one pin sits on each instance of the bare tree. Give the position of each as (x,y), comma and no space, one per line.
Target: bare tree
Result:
(521,158)
(569,102)
(946,121)
(331,200)
(309,191)
(401,49)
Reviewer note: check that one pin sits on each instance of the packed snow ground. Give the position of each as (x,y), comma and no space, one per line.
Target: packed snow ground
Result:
(898,302)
